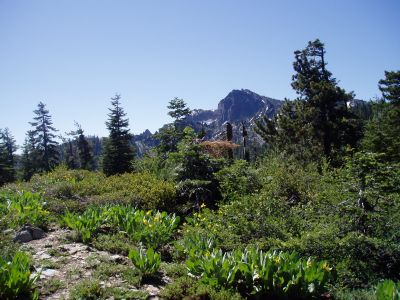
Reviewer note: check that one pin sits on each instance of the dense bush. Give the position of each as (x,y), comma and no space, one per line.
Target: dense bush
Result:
(81,187)
(317,213)
(237,180)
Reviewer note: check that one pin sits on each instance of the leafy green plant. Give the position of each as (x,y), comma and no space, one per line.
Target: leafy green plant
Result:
(147,261)
(152,229)
(388,290)
(16,281)
(23,207)
(87,224)
(270,274)
(194,243)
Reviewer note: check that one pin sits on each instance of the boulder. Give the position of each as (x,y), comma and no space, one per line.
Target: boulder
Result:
(28,233)
(23,236)
(37,233)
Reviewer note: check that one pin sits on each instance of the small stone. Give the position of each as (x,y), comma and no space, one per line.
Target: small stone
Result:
(48,273)
(117,259)
(23,236)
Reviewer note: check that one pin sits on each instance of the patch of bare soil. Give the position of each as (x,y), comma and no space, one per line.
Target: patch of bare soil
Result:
(63,264)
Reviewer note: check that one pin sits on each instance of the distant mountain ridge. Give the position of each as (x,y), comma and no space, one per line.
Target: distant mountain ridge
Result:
(238,107)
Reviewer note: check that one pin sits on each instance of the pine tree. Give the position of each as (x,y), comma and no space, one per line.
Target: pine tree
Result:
(7,159)
(118,151)
(318,123)
(178,110)
(44,134)
(84,149)
(30,156)
(79,153)
(383,130)
(170,135)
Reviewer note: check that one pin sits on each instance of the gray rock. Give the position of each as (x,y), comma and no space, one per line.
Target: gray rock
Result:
(47,273)
(28,233)
(37,233)
(117,259)
(23,236)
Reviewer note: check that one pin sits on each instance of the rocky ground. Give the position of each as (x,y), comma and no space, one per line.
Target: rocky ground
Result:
(68,269)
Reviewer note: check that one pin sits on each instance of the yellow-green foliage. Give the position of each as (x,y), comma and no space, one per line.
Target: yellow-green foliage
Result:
(388,289)
(147,261)
(279,275)
(16,281)
(153,229)
(143,190)
(22,207)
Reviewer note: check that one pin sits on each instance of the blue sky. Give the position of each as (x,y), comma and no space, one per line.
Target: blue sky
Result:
(74,55)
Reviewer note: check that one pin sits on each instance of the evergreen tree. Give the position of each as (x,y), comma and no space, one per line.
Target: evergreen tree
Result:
(7,159)
(30,156)
(170,135)
(84,150)
(80,150)
(383,130)
(118,152)
(178,110)
(44,134)
(318,123)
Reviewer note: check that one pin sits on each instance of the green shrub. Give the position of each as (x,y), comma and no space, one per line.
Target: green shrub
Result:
(238,180)
(143,190)
(15,278)
(189,288)
(116,243)
(147,261)
(87,289)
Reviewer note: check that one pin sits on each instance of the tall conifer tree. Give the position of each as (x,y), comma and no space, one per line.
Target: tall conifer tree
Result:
(383,130)
(44,134)
(318,123)
(7,159)
(118,151)
(29,157)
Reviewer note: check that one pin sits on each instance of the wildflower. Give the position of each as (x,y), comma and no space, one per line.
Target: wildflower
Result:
(326,267)
(144,221)
(202,205)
